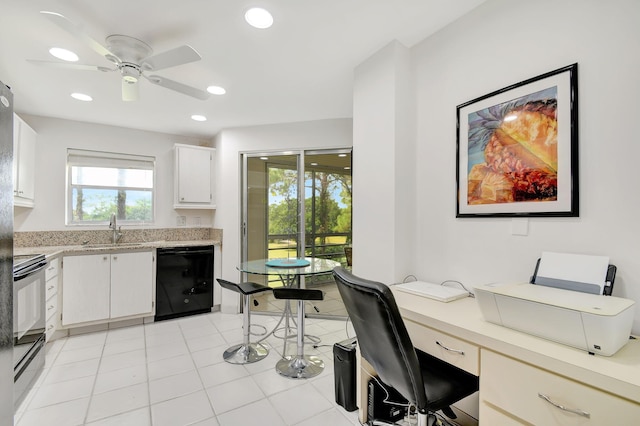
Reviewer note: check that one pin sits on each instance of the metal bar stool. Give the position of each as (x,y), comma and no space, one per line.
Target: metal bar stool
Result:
(299,366)
(246,352)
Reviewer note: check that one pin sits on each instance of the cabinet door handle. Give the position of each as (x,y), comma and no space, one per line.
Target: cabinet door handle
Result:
(563,408)
(457,351)
(50,308)
(50,288)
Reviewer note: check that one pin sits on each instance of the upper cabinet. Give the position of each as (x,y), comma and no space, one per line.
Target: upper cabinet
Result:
(194,177)
(24,162)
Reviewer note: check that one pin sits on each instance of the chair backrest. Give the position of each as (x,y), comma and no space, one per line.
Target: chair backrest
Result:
(382,336)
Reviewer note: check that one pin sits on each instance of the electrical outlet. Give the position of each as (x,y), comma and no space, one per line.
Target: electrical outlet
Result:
(181,220)
(196,221)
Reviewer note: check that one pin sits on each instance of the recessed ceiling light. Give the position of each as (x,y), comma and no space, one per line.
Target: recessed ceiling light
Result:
(259,18)
(264,158)
(197,117)
(314,164)
(216,90)
(81,97)
(64,54)
(342,155)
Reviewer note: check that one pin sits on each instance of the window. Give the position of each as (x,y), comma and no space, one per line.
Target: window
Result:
(103,183)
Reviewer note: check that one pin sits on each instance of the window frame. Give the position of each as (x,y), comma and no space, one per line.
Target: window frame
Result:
(102,159)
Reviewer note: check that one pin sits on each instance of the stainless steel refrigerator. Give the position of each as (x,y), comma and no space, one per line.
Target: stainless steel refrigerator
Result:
(6,256)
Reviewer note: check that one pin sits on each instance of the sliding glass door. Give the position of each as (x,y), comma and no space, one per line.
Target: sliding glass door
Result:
(297,204)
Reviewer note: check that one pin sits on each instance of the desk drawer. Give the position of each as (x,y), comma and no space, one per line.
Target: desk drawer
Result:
(490,416)
(516,387)
(456,352)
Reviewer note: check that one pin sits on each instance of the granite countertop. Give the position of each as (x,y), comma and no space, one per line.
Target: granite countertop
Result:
(53,251)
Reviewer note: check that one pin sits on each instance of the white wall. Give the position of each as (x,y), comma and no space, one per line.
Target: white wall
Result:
(383,166)
(230,144)
(55,136)
(500,43)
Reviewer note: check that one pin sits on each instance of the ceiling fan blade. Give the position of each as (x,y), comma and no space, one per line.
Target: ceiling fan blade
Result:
(129,91)
(79,33)
(67,65)
(170,58)
(178,87)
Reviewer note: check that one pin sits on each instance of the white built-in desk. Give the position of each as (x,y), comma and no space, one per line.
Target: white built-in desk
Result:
(515,368)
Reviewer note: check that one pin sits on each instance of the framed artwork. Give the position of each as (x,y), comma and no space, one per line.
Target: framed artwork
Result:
(517,149)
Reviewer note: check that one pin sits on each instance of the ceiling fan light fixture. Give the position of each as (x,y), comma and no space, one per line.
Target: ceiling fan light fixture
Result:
(259,18)
(81,97)
(216,90)
(64,54)
(130,73)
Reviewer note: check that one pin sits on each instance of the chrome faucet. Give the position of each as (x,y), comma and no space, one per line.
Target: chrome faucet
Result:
(117,234)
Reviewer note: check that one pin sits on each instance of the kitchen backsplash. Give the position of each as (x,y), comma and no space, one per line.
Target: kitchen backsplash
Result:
(78,237)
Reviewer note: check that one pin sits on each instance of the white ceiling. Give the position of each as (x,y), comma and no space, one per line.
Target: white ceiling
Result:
(300,69)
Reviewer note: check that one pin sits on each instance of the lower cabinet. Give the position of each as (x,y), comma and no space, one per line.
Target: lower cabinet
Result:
(103,287)
(524,394)
(51,297)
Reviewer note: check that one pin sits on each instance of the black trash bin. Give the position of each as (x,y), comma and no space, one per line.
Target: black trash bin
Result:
(344,371)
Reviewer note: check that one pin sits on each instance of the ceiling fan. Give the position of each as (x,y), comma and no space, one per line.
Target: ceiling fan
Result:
(132,58)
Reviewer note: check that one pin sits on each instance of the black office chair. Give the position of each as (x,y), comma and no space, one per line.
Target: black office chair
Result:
(427,382)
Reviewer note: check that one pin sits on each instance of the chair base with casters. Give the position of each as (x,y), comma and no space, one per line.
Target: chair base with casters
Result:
(427,382)
(245,352)
(299,366)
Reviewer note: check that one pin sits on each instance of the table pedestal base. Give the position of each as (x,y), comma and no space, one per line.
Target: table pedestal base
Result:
(300,367)
(245,353)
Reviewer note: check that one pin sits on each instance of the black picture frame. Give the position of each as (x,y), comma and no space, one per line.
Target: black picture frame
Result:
(517,149)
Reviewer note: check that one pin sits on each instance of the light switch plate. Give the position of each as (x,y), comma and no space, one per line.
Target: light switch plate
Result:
(181,220)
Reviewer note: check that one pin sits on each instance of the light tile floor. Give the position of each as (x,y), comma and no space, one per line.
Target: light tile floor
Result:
(171,373)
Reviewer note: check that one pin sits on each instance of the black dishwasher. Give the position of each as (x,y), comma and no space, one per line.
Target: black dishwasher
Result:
(184,281)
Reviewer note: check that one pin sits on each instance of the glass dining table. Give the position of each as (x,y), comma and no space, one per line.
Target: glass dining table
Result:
(292,272)
(289,269)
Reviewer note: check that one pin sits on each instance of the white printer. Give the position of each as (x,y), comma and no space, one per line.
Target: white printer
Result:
(595,323)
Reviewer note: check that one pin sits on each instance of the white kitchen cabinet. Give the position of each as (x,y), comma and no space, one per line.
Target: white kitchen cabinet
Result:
(86,288)
(51,297)
(103,287)
(194,177)
(24,163)
(131,283)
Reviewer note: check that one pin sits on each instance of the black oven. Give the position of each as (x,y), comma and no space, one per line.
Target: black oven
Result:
(28,322)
